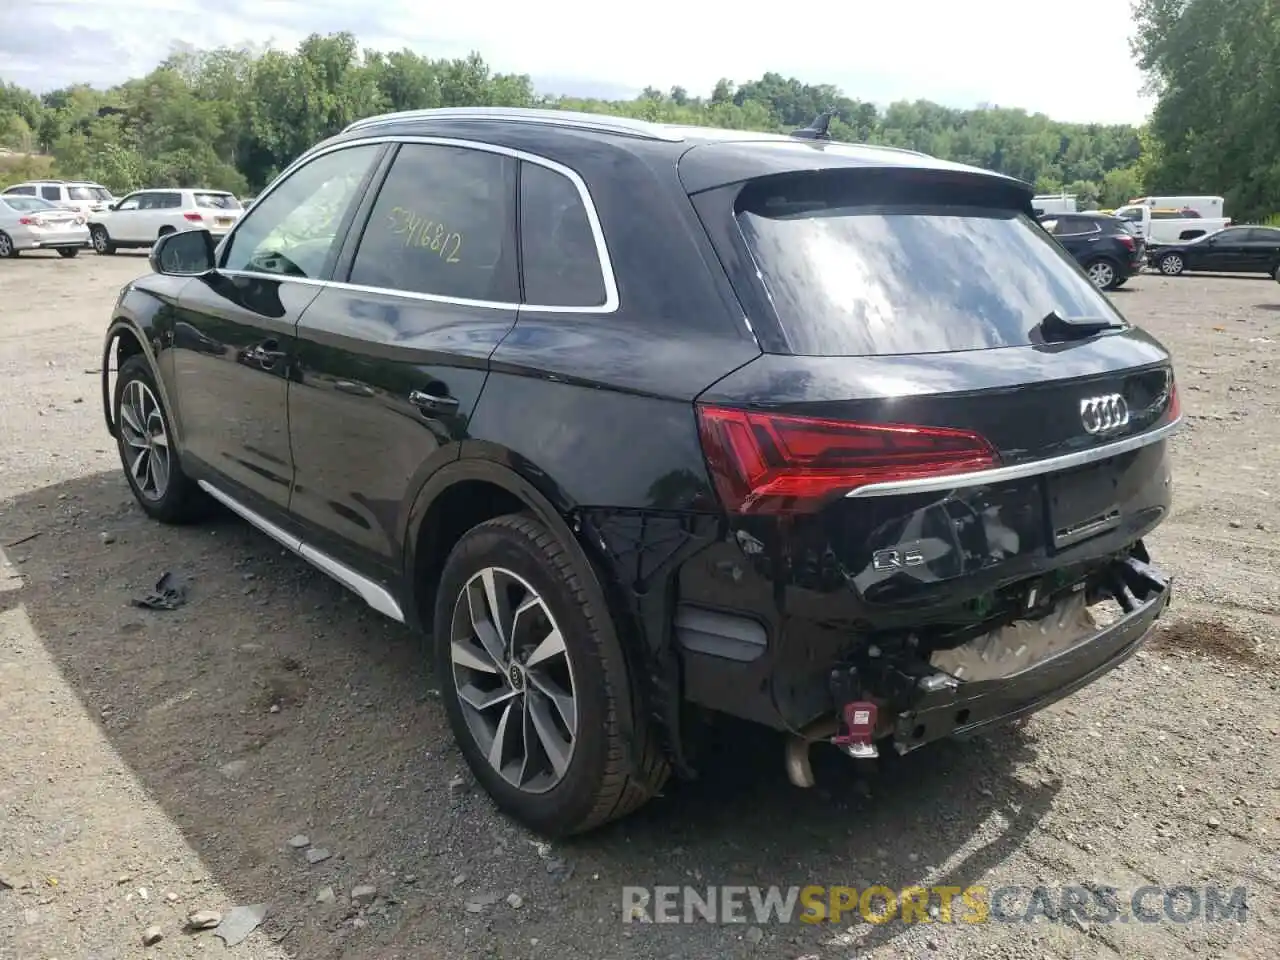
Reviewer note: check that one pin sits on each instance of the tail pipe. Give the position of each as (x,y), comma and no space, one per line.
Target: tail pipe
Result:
(853,731)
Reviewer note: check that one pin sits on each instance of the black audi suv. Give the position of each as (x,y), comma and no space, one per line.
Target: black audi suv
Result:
(638,422)
(1108,248)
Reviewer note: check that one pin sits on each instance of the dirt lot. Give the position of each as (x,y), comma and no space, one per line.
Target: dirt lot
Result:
(154,763)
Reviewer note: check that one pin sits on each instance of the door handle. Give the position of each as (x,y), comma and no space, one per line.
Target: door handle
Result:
(430,403)
(265,354)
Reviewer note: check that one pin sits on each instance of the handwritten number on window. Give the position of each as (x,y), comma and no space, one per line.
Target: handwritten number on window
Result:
(426,234)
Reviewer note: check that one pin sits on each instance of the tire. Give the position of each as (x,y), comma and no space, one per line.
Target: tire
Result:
(164,232)
(101,241)
(531,569)
(1171,264)
(68,253)
(1103,273)
(171,497)
(1275,274)
(1120,283)
(7,250)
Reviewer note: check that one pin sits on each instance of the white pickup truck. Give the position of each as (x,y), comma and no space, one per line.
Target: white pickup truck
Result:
(1169,225)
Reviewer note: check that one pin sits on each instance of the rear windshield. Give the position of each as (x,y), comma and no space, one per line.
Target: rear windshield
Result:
(90,194)
(28,204)
(217,201)
(851,278)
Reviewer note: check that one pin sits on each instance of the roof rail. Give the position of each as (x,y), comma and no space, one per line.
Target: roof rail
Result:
(624,126)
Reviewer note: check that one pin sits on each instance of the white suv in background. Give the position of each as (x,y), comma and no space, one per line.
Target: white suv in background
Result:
(139,218)
(83,195)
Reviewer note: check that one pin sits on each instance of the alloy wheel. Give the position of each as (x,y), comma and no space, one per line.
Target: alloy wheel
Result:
(1102,274)
(146,442)
(514,679)
(1171,265)
(99,241)
(6,245)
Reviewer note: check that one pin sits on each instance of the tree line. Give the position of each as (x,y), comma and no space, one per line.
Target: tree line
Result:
(233,118)
(1214,66)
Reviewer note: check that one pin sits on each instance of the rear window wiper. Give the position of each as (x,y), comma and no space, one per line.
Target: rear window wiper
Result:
(1056,329)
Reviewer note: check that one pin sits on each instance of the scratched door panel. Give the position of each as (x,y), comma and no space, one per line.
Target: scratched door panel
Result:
(391,362)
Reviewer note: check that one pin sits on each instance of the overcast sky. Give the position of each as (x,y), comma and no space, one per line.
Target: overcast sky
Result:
(1006,52)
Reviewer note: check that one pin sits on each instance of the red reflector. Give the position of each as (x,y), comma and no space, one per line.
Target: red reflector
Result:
(193,217)
(772,463)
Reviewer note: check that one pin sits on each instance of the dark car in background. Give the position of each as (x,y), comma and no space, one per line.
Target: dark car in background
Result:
(1242,249)
(640,422)
(1107,247)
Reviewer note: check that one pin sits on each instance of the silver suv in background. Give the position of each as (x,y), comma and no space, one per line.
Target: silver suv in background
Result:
(83,196)
(140,218)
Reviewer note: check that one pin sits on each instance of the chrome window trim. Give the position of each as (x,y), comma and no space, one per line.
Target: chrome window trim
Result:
(605,261)
(1020,471)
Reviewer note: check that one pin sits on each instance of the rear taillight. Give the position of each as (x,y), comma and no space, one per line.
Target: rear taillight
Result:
(193,217)
(31,221)
(1175,405)
(1126,240)
(765,463)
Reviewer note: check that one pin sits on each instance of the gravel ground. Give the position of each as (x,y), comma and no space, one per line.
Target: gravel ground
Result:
(156,763)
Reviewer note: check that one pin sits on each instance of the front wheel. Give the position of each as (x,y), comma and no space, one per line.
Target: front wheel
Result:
(1171,265)
(147,449)
(1103,274)
(532,689)
(66,253)
(101,241)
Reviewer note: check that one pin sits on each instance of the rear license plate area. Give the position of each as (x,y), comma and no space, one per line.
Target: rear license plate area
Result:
(1084,503)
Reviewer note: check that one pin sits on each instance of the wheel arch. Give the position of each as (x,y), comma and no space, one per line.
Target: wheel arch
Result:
(126,337)
(487,481)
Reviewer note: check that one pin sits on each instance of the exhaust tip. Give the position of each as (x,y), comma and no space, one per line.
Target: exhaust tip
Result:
(799,769)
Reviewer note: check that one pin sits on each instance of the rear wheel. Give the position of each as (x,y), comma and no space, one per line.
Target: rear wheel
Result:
(101,241)
(532,688)
(1171,265)
(7,249)
(164,232)
(1103,274)
(68,252)
(147,449)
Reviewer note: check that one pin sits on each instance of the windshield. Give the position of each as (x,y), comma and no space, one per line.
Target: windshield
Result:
(217,201)
(865,280)
(89,194)
(29,204)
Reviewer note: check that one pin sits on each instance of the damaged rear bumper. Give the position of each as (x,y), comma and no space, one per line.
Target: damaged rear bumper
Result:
(935,706)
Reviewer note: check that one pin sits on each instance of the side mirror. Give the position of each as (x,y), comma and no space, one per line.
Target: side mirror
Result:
(187,253)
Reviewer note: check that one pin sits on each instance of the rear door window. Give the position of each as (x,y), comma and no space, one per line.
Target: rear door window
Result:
(53,194)
(853,271)
(443,224)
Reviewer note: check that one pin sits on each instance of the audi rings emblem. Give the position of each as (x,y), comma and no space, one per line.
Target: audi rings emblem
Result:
(1104,414)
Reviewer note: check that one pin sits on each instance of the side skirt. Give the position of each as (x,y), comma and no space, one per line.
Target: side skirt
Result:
(374,594)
